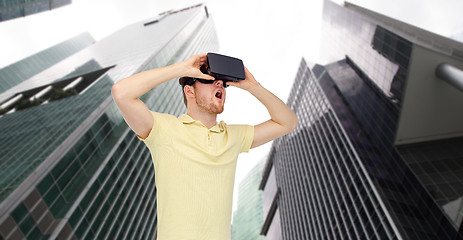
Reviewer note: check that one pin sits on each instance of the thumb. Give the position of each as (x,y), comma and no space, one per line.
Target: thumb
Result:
(207,77)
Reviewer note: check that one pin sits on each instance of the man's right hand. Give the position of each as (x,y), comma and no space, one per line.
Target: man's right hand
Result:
(191,67)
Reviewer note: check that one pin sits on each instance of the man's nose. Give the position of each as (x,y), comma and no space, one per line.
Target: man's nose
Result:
(219,82)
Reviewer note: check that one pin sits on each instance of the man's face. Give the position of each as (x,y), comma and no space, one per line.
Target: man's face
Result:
(210,97)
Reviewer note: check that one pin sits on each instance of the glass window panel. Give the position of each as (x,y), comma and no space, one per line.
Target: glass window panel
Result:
(19,213)
(43,186)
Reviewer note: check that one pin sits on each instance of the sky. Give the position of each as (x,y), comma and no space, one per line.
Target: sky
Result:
(270,37)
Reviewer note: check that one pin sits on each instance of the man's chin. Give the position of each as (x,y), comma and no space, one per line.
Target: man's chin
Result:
(214,109)
(219,111)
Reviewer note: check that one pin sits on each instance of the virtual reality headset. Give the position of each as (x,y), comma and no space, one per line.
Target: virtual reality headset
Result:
(223,67)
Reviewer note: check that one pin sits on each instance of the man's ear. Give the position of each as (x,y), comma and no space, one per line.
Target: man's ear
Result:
(189,91)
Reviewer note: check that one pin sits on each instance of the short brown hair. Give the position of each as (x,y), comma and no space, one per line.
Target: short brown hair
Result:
(182,80)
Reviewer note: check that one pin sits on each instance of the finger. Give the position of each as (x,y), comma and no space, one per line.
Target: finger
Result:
(198,58)
(248,73)
(203,56)
(246,70)
(195,58)
(203,60)
(232,83)
(207,77)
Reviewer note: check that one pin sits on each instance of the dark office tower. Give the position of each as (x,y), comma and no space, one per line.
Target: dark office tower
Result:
(248,218)
(11,9)
(378,153)
(16,73)
(70,168)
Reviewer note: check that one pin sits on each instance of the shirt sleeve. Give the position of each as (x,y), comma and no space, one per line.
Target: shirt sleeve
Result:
(247,136)
(157,121)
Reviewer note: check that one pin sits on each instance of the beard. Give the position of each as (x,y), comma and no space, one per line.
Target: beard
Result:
(209,105)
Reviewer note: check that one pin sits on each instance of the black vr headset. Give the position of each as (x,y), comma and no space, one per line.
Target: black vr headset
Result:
(221,67)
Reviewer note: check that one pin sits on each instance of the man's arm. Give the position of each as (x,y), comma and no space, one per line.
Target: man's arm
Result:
(283,120)
(127,91)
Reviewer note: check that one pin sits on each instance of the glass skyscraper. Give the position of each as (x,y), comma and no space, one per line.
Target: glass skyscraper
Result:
(378,153)
(20,71)
(70,168)
(248,217)
(11,9)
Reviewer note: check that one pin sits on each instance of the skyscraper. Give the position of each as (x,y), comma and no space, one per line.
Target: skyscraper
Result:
(378,151)
(248,217)
(16,73)
(15,9)
(70,166)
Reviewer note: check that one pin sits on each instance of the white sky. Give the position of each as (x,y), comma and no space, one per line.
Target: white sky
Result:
(269,36)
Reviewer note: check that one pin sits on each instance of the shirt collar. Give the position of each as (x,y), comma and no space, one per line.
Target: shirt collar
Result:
(186,119)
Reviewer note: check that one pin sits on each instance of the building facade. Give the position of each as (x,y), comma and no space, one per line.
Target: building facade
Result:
(18,72)
(378,151)
(248,217)
(15,9)
(70,166)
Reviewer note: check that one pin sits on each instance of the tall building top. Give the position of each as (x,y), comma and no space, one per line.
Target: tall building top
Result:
(131,51)
(427,105)
(414,34)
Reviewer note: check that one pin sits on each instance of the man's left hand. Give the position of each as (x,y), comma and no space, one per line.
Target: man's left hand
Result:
(247,84)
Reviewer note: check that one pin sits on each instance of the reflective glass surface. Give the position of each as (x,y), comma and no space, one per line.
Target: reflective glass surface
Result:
(248,218)
(325,191)
(15,9)
(22,70)
(382,55)
(340,174)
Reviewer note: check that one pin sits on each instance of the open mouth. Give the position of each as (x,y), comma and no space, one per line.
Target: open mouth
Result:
(218,94)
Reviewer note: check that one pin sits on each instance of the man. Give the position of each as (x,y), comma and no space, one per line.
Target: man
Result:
(194,156)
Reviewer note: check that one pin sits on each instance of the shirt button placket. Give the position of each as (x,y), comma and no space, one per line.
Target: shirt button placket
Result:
(209,142)
(208,137)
